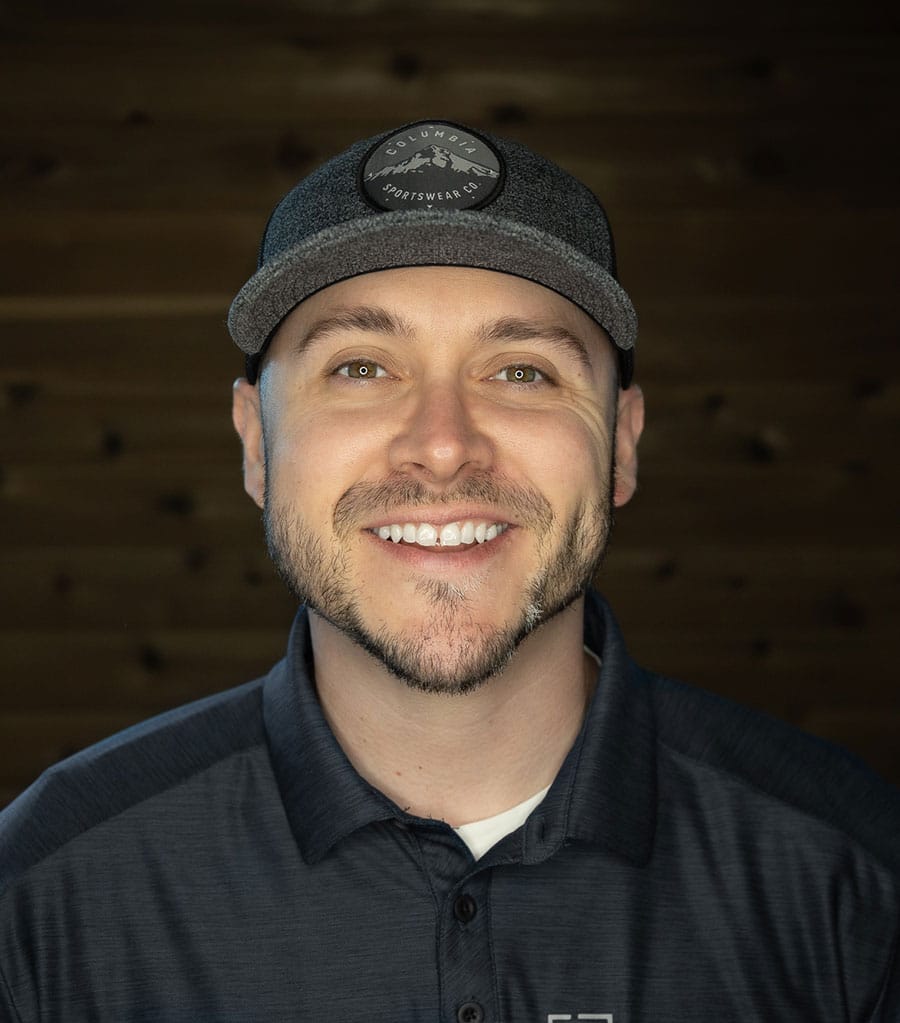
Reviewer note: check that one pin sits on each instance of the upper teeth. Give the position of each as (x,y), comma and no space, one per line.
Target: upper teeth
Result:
(451,535)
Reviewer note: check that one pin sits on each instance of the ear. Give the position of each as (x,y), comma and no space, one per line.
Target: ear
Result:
(247,419)
(629,426)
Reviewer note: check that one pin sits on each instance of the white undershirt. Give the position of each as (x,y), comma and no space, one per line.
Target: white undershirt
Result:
(482,835)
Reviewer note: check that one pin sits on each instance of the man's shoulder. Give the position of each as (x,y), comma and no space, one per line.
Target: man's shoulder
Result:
(108,778)
(806,777)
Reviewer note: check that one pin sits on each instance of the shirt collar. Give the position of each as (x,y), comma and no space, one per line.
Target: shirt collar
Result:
(605,792)
(324,797)
(611,769)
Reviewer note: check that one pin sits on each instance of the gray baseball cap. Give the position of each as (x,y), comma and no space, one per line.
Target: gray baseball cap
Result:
(435,193)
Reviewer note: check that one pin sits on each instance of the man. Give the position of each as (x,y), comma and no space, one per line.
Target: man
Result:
(456,799)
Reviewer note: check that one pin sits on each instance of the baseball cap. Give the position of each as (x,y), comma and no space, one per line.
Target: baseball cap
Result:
(435,193)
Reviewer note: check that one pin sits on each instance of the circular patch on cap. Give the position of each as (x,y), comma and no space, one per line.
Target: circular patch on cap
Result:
(431,165)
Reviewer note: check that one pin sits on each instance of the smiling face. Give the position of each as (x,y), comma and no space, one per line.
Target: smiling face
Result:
(433,448)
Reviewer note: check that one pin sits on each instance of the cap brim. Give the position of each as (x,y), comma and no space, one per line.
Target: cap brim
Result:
(426,238)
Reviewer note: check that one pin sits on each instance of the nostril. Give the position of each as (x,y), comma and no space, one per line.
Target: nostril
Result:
(438,449)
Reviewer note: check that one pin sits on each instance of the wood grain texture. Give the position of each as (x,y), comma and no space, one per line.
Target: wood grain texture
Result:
(747,155)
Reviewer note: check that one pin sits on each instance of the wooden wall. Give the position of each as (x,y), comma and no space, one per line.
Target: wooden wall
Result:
(748,155)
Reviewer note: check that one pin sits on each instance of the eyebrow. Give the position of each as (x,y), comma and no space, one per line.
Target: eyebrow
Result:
(512,328)
(377,320)
(363,319)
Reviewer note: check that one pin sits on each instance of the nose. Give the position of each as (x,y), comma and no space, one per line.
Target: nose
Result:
(438,440)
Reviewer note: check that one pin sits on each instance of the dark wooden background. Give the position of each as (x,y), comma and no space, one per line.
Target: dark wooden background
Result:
(748,156)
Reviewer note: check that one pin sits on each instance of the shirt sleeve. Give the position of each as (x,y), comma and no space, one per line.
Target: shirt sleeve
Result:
(8,1010)
(888,1008)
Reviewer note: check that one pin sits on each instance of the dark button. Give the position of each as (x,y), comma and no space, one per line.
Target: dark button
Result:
(470,1012)
(465,908)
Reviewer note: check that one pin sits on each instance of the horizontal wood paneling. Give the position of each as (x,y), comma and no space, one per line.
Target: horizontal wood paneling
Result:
(192,585)
(719,419)
(747,155)
(148,670)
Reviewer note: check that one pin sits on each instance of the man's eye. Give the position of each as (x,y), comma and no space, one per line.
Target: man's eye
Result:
(361,369)
(520,375)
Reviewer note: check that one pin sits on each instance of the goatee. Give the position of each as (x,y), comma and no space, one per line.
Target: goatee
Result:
(322,578)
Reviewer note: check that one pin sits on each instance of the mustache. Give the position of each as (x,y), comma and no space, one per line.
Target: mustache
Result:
(368,500)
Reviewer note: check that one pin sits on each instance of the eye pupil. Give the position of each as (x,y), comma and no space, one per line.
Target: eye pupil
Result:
(522,374)
(360,370)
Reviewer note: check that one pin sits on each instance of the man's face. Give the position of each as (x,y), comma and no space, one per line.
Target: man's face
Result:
(433,449)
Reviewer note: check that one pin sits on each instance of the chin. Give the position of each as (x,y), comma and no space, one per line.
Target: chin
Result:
(452,652)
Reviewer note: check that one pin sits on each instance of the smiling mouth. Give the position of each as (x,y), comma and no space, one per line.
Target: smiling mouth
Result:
(467,533)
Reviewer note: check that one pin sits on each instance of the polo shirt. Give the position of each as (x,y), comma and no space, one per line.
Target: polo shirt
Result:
(692,861)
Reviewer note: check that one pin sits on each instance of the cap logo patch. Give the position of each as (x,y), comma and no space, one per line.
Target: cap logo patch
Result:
(432,165)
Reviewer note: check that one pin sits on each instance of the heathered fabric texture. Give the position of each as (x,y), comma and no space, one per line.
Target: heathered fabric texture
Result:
(544,225)
(693,861)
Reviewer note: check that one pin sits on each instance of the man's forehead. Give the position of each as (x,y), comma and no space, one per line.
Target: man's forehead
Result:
(404,302)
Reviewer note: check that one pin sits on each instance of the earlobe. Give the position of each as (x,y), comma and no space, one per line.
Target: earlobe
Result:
(247,418)
(629,426)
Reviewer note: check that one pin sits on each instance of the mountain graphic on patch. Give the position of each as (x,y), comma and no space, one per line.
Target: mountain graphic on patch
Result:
(434,156)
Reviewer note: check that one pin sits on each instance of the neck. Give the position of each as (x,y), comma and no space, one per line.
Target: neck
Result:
(458,758)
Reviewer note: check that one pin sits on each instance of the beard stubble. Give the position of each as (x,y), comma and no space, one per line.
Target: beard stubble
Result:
(321,577)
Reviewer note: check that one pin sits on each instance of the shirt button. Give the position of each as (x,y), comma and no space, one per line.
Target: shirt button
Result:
(465,908)
(470,1012)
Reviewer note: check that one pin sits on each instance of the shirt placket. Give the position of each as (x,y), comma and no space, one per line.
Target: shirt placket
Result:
(464,960)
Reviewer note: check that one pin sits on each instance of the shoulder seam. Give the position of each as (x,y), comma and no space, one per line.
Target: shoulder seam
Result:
(748,783)
(106,820)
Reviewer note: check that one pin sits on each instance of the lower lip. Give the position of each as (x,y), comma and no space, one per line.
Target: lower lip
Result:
(443,559)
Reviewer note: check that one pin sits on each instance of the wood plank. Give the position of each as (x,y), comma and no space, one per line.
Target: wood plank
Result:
(184,586)
(745,337)
(788,674)
(873,733)
(154,91)
(801,422)
(646,16)
(172,473)
(770,255)
(181,503)
(779,505)
(130,667)
(90,504)
(851,589)
(177,67)
(784,668)
(111,253)
(688,340)
(136,352)
(645,160)
(84,427)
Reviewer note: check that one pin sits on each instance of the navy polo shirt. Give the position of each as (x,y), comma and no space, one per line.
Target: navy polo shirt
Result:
(693,861)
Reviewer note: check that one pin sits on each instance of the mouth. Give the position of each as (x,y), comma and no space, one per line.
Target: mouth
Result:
(465,533)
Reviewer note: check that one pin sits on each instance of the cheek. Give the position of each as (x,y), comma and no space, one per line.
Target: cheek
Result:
(317,457)
(565,454)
